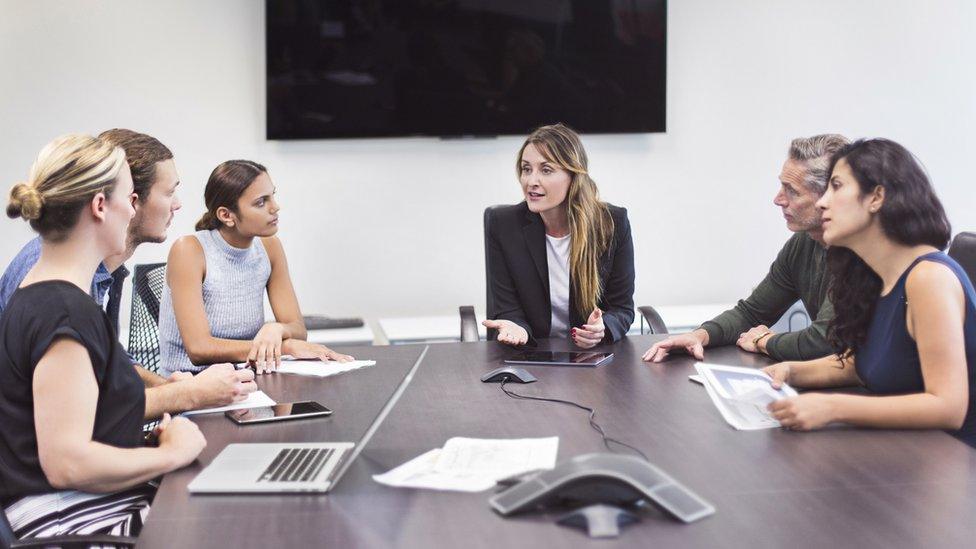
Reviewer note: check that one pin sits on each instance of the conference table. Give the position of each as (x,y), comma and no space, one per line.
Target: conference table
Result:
(838,487)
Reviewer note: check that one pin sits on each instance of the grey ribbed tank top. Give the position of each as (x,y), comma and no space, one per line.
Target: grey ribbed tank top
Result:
(233,298)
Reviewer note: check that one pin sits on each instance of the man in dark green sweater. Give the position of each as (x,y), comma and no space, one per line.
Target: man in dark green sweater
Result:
(799,272)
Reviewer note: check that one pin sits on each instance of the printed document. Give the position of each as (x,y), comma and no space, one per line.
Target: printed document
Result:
(472,464)
(253,400)
(320,368)
(742,394)
(315,367)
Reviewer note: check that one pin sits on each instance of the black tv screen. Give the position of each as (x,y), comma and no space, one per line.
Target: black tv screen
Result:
(381,68)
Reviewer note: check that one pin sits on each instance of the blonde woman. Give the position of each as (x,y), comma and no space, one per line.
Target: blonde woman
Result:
(72,405)
(560,263)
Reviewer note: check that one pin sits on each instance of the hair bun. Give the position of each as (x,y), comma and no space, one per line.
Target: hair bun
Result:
(25,202)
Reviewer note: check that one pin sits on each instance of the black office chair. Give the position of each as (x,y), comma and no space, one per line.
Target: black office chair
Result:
(9,541)
(147,290)
(655,324)
(963,250)
(469,324)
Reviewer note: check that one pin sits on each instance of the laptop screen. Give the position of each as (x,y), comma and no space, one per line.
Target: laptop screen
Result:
(385,411)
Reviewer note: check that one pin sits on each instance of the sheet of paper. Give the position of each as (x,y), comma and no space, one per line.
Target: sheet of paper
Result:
(473,465)
(697,379)
(419,473)
(742,394)
(253,400)
(320,368)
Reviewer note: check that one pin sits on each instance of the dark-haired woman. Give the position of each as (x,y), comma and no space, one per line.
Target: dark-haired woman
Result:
(561,263)
(905,324)
(212,308)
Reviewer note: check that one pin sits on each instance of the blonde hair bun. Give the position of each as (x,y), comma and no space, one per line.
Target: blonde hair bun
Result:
(25,201)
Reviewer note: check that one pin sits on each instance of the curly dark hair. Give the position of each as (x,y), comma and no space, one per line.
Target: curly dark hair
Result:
(911,215)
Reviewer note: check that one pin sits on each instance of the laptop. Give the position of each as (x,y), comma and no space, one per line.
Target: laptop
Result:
(290,467)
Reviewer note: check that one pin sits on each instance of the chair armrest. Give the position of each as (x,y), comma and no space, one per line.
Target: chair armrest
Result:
(469,324)
(654,321)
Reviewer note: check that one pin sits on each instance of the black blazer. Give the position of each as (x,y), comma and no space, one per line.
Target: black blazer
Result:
(518,273)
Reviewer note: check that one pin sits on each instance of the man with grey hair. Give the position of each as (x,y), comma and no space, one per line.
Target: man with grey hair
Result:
(799,272)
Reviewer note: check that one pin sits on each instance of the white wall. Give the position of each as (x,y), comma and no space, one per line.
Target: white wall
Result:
(393,226)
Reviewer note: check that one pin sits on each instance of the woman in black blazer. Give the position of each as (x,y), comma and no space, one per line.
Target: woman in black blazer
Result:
(561,263)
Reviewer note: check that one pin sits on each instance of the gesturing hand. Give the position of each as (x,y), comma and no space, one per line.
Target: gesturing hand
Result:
(592,333)
(509,332)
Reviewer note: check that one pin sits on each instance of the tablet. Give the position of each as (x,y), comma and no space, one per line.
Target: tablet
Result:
(560,358)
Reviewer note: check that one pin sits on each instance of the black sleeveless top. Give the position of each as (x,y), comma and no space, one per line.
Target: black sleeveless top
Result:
(35,316)
(888,361)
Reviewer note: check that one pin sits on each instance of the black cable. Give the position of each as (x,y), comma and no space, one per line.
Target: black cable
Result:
(592,417)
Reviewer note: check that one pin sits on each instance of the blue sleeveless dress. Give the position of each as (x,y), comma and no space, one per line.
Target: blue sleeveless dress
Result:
(888,360)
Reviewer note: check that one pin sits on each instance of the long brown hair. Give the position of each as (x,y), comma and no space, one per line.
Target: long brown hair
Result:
(910,215)
(227,183)
(590,223)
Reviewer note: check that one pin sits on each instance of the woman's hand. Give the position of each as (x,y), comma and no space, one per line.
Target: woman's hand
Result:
(780,374)
(299,348)
(805,412)
(592,333)
(182,438)
(509,332)
(265,351)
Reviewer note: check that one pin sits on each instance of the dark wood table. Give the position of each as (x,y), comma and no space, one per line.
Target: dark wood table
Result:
(840,487)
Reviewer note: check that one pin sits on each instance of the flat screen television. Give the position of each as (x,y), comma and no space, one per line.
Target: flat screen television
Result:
(383,68)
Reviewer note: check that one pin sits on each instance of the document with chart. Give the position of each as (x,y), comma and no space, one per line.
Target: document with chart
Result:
(742,394)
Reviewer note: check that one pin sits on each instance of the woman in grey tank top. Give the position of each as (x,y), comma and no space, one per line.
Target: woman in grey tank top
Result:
(212,307)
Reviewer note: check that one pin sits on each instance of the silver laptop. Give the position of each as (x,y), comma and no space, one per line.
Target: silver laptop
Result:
(290,467)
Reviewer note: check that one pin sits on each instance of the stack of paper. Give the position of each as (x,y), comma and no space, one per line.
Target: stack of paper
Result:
(742,394)
(321,368)
(315,367)
(472,464)
(253,400)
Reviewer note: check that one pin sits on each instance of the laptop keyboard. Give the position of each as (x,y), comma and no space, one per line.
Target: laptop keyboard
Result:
(296,465)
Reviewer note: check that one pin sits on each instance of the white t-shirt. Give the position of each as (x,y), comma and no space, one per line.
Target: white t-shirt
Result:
(557,253)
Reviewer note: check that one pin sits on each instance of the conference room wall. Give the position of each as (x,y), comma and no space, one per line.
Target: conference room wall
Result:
(393,226)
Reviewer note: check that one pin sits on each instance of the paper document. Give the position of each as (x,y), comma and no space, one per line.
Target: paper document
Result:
(742,394)
(472,464)
(321,368)
(253,400)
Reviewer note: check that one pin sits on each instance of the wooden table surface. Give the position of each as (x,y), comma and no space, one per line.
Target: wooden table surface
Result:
(839,487)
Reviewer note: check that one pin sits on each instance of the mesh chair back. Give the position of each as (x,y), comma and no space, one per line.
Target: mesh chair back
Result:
(963,250)
(147,290)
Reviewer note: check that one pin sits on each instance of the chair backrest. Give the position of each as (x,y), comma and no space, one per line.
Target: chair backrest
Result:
(147,290)
(963,250)
(490,308)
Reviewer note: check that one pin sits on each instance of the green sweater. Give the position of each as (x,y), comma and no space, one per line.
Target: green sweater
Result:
(799,272)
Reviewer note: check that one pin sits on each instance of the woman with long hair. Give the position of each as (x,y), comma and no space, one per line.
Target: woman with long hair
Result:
(72,405)
(560,263)
(905,324)
(212,308)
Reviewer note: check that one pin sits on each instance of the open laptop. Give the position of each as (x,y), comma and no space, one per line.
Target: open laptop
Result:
(290,467)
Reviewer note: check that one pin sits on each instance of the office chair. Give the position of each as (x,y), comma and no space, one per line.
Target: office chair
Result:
(963,250)
(147,290)
(655,324)
(469,324)
(9,541)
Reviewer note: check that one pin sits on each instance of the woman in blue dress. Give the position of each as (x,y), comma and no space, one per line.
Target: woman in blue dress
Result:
(905,325)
